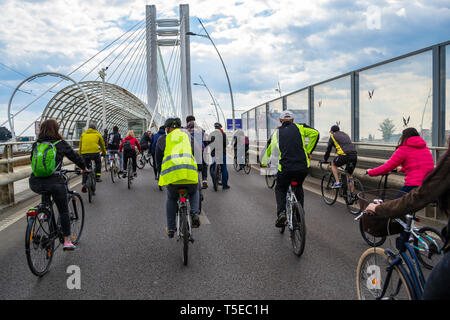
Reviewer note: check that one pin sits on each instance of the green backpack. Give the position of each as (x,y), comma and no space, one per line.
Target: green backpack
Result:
(43,161)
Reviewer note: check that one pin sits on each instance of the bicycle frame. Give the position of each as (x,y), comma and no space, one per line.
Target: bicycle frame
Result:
(182,203)
(290,199)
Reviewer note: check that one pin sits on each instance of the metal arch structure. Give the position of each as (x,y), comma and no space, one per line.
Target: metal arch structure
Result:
(67,106)
(39,75)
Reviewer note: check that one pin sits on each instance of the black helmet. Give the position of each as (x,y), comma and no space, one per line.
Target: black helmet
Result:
(173,123)
(217,125)
(335,128)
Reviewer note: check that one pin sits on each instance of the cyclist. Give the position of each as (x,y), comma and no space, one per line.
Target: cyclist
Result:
(146,141)
(128,147)
(413,155)
(114,140)
(294,159)
(91,144)
(199,135)
(218,139)
(346,155)
(175,160)
(105,140)
(240,147)
(156,136)
(435,187)
(55,184)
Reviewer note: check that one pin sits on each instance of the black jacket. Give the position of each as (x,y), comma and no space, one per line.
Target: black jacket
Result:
(216,134)
(63,149)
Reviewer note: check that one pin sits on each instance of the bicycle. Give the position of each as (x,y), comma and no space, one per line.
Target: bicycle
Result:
(184,227)
(329,195)
(91,181)
(129,172)
(425,240)
(115,167)
(143,158)
(217,176)
(43,230)
(295,220)
(402,275)
(105,159)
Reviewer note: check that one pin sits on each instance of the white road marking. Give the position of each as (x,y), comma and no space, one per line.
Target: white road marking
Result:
(203,218)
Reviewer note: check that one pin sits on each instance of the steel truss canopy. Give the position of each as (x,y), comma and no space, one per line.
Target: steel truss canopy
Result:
(68,107)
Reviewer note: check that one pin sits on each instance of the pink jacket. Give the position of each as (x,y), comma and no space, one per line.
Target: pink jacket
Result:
(414,157)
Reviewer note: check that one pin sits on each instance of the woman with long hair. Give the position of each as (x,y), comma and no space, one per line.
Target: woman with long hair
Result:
(414,157)
(55,184)
(435,188)
(128,147)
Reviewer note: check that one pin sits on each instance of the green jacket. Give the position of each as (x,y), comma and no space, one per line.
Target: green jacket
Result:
(91,141)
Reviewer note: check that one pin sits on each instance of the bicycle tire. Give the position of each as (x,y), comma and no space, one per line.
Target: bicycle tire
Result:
(34,242)
(76,215)
(426,259)
(185,235)
(270,181)
(113,172)
(373,261)
(140,161)
(150,161)
(236,166)
(298,234)
(353,203)
(216,177)
(106,164)
(93,183)
(89,189)
(129,173)
(247,167)
(376,242)
(329,195)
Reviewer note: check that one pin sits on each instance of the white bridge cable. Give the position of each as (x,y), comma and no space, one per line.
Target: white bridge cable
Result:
(133,67)
(140,72)
(75,70)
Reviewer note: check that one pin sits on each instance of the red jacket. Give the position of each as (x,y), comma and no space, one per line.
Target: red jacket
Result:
(134,143)
(414,157)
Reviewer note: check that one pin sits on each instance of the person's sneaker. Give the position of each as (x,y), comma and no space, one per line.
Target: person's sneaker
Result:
(124,175)
(195,220)
(98,179)
(134,174)
(170,233)
(69,246)
(84,189)
(226,187)
(280,220)
(205,184)
(336,185)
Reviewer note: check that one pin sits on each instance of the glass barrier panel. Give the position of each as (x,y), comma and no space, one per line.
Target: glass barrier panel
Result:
(447,93)
(396,96)
(275,109)
(298,104)
(332,105)
(261,126)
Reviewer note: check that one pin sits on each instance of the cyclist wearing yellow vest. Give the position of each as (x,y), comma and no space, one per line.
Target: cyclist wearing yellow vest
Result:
(175,160)
(91,144)
(289,141)
(346,154)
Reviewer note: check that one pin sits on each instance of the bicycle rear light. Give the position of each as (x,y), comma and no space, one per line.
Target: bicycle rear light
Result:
(294,183)
(183,200)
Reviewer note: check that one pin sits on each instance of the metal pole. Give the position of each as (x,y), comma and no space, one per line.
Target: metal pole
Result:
(226,73)
(212,98)
(152,58)
(185,65)
(102,74)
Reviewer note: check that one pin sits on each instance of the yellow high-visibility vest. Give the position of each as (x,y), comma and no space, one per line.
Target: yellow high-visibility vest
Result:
(178,165)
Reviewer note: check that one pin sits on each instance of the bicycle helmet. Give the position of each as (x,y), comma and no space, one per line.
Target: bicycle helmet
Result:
(217,125)
(173,123)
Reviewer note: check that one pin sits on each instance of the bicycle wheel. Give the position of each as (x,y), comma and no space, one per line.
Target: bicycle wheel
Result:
(76,215)
(140,161)
(89,187)
(298,234)
(93,182)
(428,248)
(113,171)
(329,195)
(371,274)
(150,161)
(236,166)
(129,172)
(184,235)
(106,164)
(247,166)
(270,180)
(352,201)
(39,246)
(216,177)
(370,239)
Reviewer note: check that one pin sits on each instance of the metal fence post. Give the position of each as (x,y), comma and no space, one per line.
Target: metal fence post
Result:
(311,106)
(354,85)
(7,191)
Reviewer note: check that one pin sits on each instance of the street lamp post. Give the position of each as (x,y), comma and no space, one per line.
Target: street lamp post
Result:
(223,64)
(203,84)
(102,74)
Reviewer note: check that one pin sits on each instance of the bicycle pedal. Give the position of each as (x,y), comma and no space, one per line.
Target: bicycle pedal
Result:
(191,240)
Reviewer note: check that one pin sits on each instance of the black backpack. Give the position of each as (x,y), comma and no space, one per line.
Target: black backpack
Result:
(127,147)
(114,141)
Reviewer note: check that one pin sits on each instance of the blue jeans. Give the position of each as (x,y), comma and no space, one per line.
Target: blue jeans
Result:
(224,171)
(172,202)
(406,189)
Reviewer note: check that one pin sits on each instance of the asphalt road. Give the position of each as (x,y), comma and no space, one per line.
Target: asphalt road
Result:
(238,253)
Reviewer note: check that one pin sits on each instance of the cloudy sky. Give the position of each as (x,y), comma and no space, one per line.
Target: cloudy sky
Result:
(262,41)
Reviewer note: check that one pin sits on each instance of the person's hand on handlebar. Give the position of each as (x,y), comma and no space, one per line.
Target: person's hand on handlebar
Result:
(371,208)
(83,171)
